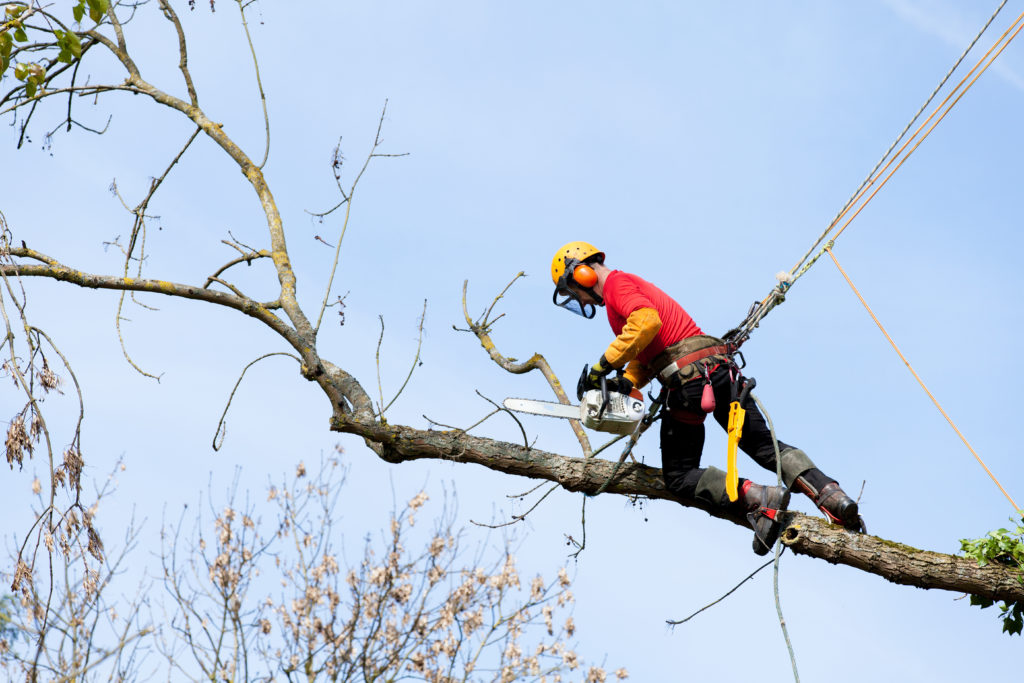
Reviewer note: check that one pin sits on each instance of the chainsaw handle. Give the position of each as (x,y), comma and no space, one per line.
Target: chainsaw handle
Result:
(605,399)
(581,383)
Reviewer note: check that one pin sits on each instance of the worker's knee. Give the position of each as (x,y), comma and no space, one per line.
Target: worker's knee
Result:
(710,486)
(794,463)
(684,482)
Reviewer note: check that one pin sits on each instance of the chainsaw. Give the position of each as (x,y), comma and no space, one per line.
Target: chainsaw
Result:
(599,409)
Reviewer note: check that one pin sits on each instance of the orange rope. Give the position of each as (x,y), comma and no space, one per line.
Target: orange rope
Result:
(918,378)
(937,121)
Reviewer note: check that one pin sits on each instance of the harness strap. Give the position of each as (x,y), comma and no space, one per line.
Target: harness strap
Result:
(665,374)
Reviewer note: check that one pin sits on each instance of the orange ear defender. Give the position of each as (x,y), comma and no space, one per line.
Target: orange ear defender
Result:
(584,275)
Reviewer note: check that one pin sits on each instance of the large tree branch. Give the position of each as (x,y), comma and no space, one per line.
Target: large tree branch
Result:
(805,535)
(340,387)
(58,271)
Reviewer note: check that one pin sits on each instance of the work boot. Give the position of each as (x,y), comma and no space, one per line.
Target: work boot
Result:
(838,507)
(763,504)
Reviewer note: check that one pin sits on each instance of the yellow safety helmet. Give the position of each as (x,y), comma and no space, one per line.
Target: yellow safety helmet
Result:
(569,270)
(580,251)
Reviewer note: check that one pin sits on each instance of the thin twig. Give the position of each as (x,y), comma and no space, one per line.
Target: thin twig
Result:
(503,409)
(348,209)
(245,258)
(583,524)
(139,228)
(464,430)
(523,495)
(415,361)
(672,622)
(259,83)
(220,424)
(172,17)
(380,388)
(518,518)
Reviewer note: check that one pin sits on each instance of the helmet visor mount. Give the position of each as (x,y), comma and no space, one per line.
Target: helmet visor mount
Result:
(566,295)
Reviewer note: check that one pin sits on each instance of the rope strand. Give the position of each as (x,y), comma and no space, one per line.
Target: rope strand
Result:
(870,176)
(777,295)
(828,248)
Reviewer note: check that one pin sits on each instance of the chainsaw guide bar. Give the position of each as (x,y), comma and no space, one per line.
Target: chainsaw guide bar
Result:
(606,411)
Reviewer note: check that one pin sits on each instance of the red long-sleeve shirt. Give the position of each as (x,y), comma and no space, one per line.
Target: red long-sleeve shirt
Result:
(625,294)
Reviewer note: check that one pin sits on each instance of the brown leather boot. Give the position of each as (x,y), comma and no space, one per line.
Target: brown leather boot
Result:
(763,504)
(838,507)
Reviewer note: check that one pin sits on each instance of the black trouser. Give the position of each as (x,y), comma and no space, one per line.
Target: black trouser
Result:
(683,442)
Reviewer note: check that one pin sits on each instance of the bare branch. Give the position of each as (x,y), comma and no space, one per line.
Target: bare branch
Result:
(140,210)
(582,545)
(347,200)
(480,328)
(520,517)
(245,258)
(259,82)
(172,17)
(56,271)
(503,409)
(415,361)
(220,424)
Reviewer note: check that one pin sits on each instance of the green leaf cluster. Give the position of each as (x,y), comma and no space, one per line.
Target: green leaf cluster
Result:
(11,30)
(69,44)
(32,74)
(96,9)
(1004,547)
(6,44)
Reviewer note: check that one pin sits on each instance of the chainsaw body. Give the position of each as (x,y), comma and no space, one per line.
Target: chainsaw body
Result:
(620,415)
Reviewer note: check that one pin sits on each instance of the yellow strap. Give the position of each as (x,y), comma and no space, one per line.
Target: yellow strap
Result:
(735,429)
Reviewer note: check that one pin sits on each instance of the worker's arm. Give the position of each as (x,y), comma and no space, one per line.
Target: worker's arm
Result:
(640,328)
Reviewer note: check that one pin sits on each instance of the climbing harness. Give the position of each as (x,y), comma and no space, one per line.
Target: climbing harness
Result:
(672,367)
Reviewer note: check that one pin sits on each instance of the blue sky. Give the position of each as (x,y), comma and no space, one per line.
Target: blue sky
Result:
(703,146)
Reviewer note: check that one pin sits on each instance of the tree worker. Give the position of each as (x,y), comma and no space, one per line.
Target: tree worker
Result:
(656,337)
